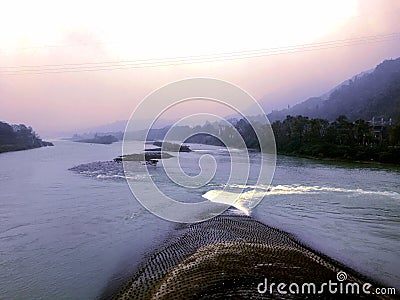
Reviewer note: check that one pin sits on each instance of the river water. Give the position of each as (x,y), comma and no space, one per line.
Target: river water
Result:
(67,234)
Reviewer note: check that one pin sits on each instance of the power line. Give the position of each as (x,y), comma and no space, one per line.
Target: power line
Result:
(191,59)
(132,64)
(372,37)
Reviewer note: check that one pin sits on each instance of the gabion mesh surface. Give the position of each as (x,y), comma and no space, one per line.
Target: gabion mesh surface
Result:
(227,257)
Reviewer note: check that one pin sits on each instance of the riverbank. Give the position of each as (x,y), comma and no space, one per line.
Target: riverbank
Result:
(12,148)
(19,137)
(370,163)
(231,255)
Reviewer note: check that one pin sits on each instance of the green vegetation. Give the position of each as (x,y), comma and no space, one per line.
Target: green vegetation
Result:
(341,139)
(217,133)
(19,137)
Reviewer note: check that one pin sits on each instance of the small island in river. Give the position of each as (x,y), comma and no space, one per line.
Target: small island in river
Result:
(148,156)
(99,139)
(166,146)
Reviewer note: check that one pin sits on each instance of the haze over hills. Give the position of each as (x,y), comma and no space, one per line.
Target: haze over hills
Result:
(116,128)
(374,93)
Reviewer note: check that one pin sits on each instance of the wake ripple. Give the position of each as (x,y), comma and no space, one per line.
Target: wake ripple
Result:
(245,197)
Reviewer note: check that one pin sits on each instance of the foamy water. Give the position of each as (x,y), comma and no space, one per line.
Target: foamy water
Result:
(251,195)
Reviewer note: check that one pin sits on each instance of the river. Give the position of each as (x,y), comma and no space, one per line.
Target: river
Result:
(66,234)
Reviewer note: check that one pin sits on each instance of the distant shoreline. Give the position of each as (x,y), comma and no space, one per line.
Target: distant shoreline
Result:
(15,148)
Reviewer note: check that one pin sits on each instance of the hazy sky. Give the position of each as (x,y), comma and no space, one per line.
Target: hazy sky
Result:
(119,33)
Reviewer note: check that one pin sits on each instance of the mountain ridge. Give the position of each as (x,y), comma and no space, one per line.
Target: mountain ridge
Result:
(372,93)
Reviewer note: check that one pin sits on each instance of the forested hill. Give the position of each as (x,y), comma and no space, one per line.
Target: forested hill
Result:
(19,137)
(367,95)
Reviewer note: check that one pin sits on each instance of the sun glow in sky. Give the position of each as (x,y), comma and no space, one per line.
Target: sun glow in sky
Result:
(158,29)
(41,33)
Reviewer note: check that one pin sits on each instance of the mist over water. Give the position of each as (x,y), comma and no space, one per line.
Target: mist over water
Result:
(64,234)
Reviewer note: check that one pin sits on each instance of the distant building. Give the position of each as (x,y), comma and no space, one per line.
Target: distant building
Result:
(379,127)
